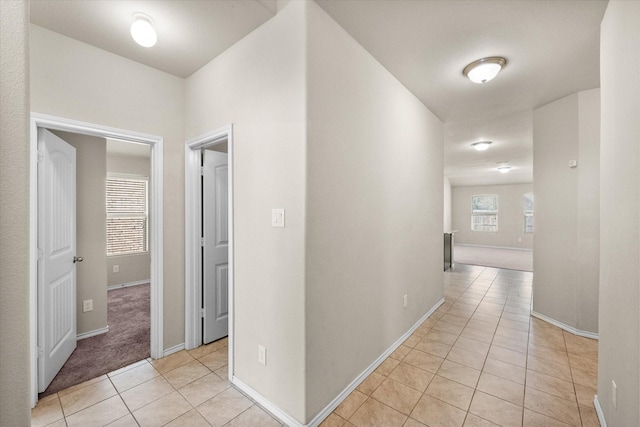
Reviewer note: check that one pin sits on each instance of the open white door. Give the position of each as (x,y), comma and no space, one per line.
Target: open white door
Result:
(56,255)
(215,247)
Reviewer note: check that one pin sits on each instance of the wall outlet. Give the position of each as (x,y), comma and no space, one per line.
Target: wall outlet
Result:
(614,394)
(87,305)
(262,355)
(116,268)
(405,301)
(277,217)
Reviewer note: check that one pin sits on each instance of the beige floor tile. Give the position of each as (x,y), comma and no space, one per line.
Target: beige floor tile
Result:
(47,411)
(505,370)
(496,410)
(84,397)
(370,384)
(510,343)
(415,378)
(413,423)
(548,339)
(552,406)
(472,345)
(433,347)
(423,360)
(400,352)
(441,336)
(99,414)
(172,361)
(190,419)
(466,357)
(533,419)
(254,416)
(516,317)
(450,392)
(130,378)
(582,346)
(216,359)
(485,336)
(460,312)
(203,389)
(587,364)
(434,412)
(447,327)
(584,378)
(454,320)
(83,385)
(203,350)
(549,367)
(585,395)
(333,420)
(509,356)
(387,366)
(186,374)
(475,421)
(128,367)
(480,325)
(397,396)
(62,423)
(501,388)
(163,410)
(589,416)
(145,393)
(375,413)
(126,421)
(549,354)
(351,404)
(223,372)
(459,373)
(411,341)
(551,385)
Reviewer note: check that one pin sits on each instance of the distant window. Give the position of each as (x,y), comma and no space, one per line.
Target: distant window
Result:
(484,213)
(127,219)
(528,213)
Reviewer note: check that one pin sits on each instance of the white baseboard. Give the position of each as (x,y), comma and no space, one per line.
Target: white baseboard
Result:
(567,328)
(596,403)
(129,284)
(92,333)
(171,350)
(493,247)
(291,422)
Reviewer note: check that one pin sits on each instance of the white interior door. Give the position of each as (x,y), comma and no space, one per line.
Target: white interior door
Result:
(215,255)
(56,255)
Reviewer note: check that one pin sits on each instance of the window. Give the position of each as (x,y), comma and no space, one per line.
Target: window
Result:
(528,213)
(484,213)
(127,220)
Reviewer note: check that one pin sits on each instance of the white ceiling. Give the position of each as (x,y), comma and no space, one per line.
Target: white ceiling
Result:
(552,49)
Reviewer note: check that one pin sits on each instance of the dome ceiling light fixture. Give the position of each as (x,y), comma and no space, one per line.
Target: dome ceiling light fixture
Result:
(503,167)
(485,69)
(142,30)
(481,145)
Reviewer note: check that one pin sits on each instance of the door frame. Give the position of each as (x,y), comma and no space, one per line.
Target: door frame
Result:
(193,226)
(155,227)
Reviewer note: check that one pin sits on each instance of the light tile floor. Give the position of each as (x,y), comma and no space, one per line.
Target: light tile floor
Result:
(479,360)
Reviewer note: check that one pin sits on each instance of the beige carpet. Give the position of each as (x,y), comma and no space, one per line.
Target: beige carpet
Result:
(510,259)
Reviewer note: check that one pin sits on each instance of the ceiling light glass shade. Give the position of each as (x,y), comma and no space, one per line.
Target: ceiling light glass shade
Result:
(485,69)
(481,145)
(142,30)
(504,169)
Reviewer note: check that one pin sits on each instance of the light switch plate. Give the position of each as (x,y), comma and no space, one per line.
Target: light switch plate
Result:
(277,217)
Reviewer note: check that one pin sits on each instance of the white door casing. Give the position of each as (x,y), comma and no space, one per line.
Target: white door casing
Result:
(56,250)
(215,248)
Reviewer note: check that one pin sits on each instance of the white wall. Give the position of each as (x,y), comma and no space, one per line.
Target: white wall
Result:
(14,213)
(510,216)
(619,352)
(447,225)
(73,80)
(91,232)
(374,210)
(565,259)
(259,85)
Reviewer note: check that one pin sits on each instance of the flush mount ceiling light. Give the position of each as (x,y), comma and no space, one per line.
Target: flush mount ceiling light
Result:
(503,167)
(485,69)
(481,145)
(142,30)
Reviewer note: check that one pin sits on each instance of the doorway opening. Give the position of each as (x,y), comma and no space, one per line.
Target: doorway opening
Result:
(208,238)
(41,124)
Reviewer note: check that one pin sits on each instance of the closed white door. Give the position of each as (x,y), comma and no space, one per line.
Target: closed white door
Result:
(215,255)
(56,255)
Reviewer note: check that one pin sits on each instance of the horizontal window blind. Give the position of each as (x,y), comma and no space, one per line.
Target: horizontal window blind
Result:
(484,213)
(127,221)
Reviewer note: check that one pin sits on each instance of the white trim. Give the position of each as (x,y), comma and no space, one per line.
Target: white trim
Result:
(128,284)
(599,412)
(155,230)
(567,328)
(174,349)
(193,297)
(93,333)
(494,247)
(289,421)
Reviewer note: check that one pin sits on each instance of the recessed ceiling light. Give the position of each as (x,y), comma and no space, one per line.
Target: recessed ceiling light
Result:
(485,69)
(503,167)
(142,30)
(481,145)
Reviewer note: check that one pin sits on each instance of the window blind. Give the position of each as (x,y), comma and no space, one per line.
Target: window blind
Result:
(127,219)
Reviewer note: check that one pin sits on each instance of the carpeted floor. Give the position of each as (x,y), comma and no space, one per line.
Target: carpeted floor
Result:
(127,341)
(510,259)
